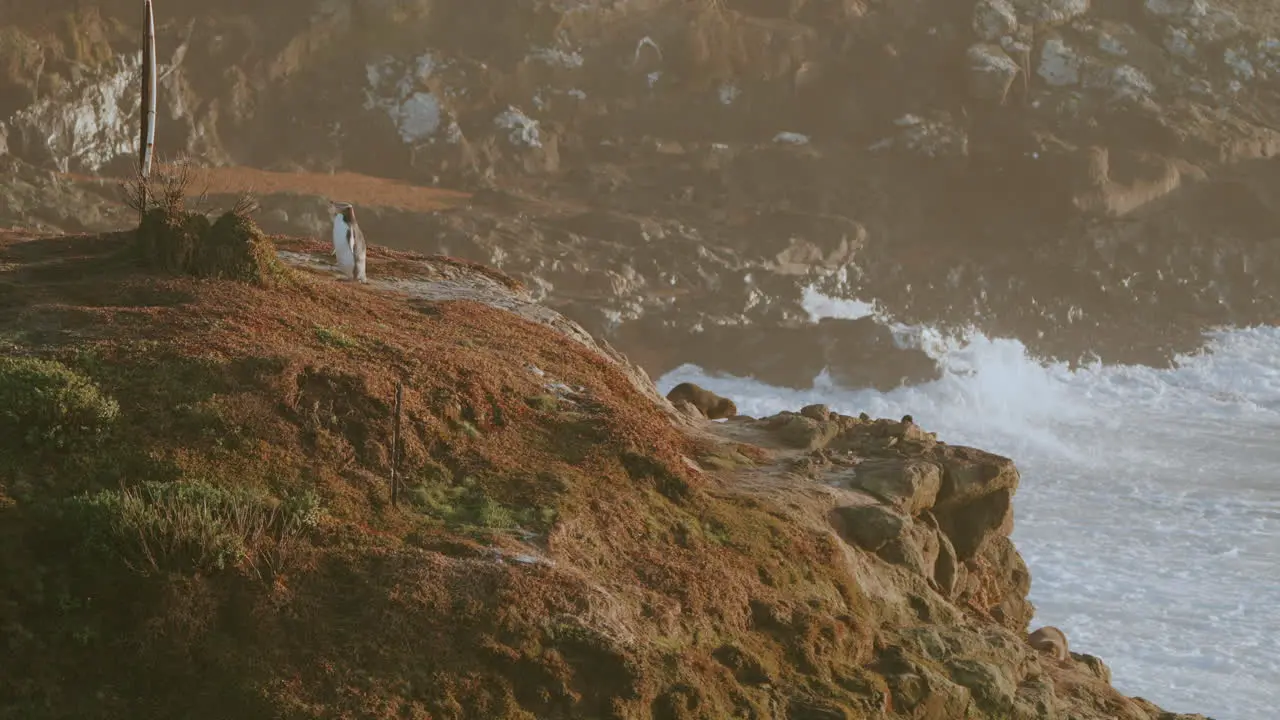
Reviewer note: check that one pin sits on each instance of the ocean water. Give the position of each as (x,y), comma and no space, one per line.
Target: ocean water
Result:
(1149,510)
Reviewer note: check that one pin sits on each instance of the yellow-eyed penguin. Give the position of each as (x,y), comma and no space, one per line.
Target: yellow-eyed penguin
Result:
(348,241)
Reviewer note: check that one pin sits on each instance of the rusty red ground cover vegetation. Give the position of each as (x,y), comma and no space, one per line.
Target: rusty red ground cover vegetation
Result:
(554,555)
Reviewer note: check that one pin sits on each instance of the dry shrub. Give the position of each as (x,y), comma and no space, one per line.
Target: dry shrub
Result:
(167,188)
(178,237)
(246,205)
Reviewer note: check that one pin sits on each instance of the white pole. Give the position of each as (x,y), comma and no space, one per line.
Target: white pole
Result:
(148,130)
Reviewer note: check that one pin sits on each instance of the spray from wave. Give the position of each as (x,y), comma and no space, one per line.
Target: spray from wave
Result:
(1149,512)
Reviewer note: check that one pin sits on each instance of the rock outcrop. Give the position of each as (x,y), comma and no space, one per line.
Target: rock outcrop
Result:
(944,513)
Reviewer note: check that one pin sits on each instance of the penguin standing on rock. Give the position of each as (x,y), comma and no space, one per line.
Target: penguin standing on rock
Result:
(348,241)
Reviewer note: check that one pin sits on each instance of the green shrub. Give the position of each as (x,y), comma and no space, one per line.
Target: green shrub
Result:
(302,511)
(44,404)
(191,526)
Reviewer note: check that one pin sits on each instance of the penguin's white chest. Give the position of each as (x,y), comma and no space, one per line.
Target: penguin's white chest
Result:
(341,245)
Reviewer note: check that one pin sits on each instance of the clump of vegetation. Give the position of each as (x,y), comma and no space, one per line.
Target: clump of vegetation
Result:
(336,338)
(175,238)
(467,503)
(544,403)
(192,526)
(47,405)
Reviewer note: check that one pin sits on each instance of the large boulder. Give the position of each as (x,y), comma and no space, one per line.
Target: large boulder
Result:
(803,432)
(870,527)
(916,545)
(1002,581)
(916,549)
(908,486)
(991,72)
(994,19)
(970,474)
(972,525)
(975,502)
(1060,63)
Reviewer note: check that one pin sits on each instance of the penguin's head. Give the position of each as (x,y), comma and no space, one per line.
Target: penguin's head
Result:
(342,210)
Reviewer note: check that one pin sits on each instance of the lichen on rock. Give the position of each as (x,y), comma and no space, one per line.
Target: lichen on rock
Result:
(403,90)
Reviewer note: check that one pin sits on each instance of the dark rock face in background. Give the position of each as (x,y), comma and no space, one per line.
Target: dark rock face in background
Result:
(674,175)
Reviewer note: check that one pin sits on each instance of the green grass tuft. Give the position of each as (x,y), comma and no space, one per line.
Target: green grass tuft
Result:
(336,338)
(544,403)
(191,526)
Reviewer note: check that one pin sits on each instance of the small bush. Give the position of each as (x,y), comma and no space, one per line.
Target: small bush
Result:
(173,238)
(47,405)
(302,511)
(236,248)
(232,247)
(192,526)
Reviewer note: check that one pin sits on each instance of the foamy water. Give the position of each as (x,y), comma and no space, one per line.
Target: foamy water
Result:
(1149,510)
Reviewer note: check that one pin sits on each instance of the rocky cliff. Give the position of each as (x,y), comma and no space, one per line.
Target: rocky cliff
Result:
(1090,177)
(195,518)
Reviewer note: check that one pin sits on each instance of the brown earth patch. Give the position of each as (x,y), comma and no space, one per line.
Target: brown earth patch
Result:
(355,188)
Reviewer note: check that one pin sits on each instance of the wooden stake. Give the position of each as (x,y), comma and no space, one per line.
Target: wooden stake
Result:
(147,129)
(395,447)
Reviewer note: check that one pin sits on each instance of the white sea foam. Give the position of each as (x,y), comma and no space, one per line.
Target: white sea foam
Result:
(1149,511)
(821,306)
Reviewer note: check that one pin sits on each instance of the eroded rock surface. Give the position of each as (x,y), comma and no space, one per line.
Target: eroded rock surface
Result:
(936,519)
(942,511)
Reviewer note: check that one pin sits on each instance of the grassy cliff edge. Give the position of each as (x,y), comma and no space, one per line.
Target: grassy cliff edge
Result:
(195,517)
